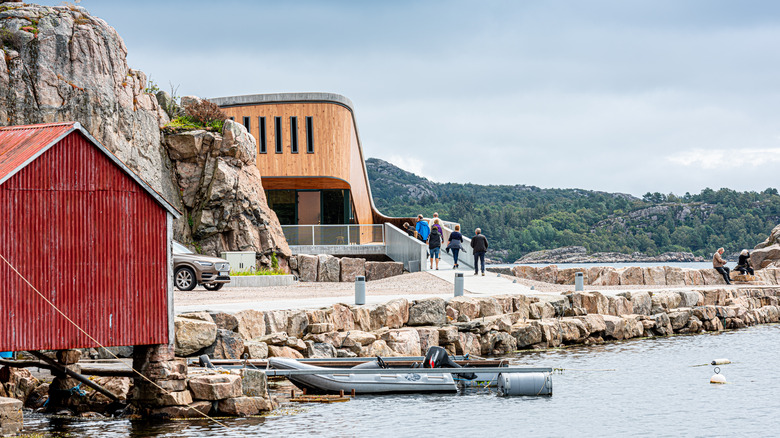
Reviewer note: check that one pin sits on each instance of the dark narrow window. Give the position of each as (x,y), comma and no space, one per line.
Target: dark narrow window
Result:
(309,136)
(278,134)
(261,125)
(294,134)
(233,119)
(246,124)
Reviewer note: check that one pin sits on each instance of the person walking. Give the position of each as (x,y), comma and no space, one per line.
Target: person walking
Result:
(720,265)
(422,228)
(434,246)
(436,222)
(743,264)
(479,244)
(455,243)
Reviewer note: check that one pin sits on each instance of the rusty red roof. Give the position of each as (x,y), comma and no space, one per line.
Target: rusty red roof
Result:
(20,145)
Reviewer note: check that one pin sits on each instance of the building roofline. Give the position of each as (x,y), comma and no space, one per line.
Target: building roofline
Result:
(311,97)
(76,126)
(272,98)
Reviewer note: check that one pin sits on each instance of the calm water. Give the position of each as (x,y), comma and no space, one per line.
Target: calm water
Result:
(654,391)
(690,265)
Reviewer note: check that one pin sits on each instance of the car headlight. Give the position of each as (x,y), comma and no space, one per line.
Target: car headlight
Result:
(206,263)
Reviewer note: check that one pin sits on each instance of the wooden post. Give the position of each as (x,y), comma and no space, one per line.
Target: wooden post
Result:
(292,393)
(353,392)
(75,375)
(341,393)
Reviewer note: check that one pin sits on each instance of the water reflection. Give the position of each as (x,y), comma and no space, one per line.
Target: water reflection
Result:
(654,390)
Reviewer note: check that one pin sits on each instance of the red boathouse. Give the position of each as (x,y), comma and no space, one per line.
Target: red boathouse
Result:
(89,235)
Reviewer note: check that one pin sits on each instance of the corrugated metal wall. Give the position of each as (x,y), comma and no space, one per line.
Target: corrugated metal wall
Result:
(93,242)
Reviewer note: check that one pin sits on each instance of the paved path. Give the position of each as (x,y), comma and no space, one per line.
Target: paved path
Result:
(489,284)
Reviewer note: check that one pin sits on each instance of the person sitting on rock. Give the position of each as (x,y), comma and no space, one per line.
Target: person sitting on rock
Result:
(720,265)
(743,264)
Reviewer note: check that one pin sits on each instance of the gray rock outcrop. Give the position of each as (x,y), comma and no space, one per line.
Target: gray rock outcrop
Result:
(61,64)
(767,253)
(222,193)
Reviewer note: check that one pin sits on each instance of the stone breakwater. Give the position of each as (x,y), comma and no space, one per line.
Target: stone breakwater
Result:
(635,276)
(492,325)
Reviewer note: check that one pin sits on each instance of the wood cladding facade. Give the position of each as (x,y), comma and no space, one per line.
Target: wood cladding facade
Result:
(336,161)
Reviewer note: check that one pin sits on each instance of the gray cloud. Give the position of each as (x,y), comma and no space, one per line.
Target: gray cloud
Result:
(608,95)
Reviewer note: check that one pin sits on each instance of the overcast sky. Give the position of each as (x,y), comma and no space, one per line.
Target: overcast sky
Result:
(621,96)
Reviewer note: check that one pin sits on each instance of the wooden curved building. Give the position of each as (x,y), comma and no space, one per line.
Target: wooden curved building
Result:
(309,155)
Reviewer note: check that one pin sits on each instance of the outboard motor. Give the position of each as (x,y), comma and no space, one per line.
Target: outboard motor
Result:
(437,357)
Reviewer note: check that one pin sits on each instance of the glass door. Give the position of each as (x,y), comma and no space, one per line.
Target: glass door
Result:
(309,207)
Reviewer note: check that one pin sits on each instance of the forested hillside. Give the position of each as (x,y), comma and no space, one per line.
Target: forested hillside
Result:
(520,219)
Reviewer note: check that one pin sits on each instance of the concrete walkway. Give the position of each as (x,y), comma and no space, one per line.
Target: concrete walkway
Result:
(489,284)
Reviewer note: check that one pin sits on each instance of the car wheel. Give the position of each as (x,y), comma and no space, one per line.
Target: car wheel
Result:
(213,286)
(184,279)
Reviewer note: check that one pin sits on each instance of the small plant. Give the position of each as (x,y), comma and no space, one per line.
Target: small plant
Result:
(274,262)
(205,112)
(151,87)
(181,124)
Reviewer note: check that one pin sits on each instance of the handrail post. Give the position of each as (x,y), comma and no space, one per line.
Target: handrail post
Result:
(349,238)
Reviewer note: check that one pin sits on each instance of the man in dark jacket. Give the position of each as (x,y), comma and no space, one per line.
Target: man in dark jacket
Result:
(479,245)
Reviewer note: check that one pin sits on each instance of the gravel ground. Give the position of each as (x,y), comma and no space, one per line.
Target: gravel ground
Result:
(406,284)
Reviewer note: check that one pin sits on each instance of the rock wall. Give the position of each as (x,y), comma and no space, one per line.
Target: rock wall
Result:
(328,268)
(492,325)
(767,253)
(222,194)
(634,275)
(62,64)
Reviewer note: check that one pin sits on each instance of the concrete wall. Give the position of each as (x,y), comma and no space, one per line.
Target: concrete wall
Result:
(405,249)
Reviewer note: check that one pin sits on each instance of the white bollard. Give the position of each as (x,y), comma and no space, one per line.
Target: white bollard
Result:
(360,290)
(579,282)
(458,284)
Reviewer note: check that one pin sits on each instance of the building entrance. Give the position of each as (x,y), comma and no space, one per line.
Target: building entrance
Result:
(310,207)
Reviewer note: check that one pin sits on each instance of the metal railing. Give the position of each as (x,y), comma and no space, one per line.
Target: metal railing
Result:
(334,234)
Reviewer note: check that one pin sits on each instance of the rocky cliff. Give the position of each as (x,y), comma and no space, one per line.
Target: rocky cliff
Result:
(62,64)
(578,254)
(221,192)
(767,253)
(388,180)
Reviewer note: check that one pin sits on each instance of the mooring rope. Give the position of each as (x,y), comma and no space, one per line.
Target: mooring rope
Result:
(205,415)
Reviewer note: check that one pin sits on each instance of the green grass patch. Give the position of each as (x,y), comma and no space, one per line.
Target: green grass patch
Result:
(261,271)
(188,123)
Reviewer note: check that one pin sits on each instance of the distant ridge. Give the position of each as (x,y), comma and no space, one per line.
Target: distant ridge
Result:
(520,219)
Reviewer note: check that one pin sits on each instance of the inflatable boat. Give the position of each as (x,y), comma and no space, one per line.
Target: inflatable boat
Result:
(383,381)
(379,383)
